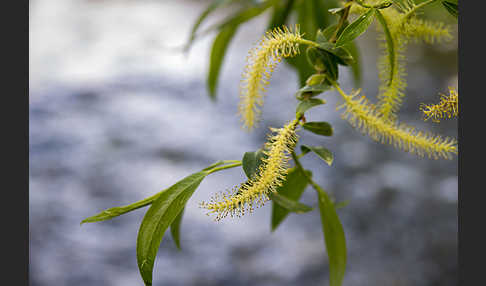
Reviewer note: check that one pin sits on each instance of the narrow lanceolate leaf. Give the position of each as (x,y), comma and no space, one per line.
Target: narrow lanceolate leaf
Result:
(321,152)
(211,8)
(159,217)
(175,228)
(341,205)
(218,51)
(356,28)
(118,211)
(292,189)
(307,104)
(290,205)
(247,14)
(390,44)
(281,11)
(334,239)
(328,32)
(227,30)
(319,128)
(452,7)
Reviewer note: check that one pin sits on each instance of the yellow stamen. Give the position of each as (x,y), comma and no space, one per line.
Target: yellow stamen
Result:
(448,107)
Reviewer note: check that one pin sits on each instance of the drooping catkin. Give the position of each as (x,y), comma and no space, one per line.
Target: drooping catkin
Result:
(363,116)
(448,107)
(391,67)
(430,32)
(403,26)
(271,174)
(261,62)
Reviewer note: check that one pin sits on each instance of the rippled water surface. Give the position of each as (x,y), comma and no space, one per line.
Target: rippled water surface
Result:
(117,114)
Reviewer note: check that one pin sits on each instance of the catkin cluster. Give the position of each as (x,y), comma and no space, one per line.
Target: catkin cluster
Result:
(271,174)
(365,117)
(403,26)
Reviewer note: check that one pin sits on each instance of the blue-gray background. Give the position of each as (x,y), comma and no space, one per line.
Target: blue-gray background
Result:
(117,114)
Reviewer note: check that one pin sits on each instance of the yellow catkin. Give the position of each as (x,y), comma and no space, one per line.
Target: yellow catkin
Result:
(428,31)
(261,61)
(254,192)
(448,107)
(364,117)
(391,67)
(403,26)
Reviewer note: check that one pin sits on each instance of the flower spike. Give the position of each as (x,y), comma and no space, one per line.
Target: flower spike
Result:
(261,61)
(448,107)
(271,175)
(364,116)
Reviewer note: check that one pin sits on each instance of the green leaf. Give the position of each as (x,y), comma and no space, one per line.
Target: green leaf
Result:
(315,59)
(331,64)
(451,7)
(327,33)
(214,165)
(390,44)
(351,47)
(311,90)
(292,189)
(304,150)
(218,51)
(251,162)
(307,104)
(341,205)
(321,152)
(159,217)
(117,211)
(344,56)
(290,205)
(211,8)
(334,239)
(227,30)
(247,14)
(175,229)
(323,62)
(356,28)
(315,79)
(307,18)
(281,12)
(320,128)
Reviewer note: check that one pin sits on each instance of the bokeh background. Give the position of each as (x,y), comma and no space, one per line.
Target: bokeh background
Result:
(118,113)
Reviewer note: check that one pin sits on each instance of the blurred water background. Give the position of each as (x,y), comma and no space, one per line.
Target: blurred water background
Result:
(116,114)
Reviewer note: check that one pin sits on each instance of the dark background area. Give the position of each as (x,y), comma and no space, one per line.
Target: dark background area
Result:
(116,114)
